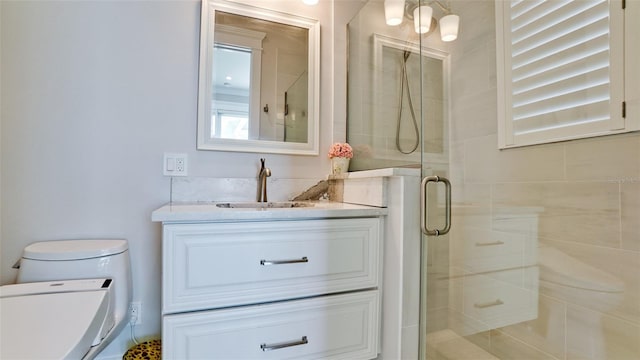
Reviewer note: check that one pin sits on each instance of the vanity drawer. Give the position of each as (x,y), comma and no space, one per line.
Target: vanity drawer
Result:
(480,250)
(496,299)
(326,327)
(217,265)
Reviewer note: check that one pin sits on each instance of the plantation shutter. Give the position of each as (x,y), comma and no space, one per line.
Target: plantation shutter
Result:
(563,73)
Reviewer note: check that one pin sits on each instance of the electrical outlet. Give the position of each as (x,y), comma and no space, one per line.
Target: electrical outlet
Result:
(175,164)
(135,312)
(180,164)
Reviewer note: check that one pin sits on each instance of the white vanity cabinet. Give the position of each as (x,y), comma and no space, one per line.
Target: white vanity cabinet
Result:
(294,288)
(494,270)
(325,327)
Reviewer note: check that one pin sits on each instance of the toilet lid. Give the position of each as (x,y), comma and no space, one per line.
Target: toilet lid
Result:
(51,326)
(74,249)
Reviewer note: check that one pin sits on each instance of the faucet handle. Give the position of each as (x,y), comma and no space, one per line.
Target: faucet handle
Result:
(262,160)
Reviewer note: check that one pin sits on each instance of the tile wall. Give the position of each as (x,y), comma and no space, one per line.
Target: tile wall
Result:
(588,195)
(381,134)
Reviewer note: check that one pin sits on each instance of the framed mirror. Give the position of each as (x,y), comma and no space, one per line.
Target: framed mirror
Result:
(259,80)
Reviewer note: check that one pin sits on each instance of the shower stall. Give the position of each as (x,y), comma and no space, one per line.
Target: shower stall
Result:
(543,255)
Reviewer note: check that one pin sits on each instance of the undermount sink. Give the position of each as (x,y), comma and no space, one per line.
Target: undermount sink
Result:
(263,205)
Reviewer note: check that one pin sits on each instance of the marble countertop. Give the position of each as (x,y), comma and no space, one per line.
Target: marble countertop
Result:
(386,172)
(209,211)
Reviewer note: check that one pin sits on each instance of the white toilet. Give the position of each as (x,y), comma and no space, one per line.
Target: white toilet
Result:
(71,299)
(568,279)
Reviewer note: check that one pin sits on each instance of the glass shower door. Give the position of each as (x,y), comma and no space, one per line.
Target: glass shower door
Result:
(479,266)
(541,259)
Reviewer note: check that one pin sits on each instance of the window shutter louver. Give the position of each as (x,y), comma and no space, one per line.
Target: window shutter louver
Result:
(563,77)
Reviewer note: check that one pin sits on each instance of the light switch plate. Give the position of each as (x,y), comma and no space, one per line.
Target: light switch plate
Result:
(175,164)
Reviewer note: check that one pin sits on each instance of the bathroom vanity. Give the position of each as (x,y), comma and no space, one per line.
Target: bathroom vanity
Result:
(250,282)
(493,279)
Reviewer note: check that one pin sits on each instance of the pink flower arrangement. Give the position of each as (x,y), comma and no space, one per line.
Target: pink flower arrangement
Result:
(340,150)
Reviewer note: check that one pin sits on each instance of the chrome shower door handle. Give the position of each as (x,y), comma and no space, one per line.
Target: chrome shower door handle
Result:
(423,206)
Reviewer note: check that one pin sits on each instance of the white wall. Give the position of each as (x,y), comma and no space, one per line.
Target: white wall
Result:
(93,93)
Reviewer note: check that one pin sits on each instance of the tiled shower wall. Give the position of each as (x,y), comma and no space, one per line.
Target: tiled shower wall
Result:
(589,191)
(376,127)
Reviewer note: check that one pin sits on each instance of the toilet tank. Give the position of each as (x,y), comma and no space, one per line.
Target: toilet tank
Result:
(81,259)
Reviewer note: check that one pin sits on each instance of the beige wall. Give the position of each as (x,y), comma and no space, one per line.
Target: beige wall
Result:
(589,193)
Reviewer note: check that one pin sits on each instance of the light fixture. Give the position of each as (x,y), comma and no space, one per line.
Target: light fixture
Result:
(449,27)
(310,2)
(393,11)
(422,18)
(421,13)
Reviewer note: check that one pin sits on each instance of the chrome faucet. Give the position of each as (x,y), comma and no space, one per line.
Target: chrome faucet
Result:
(262,182)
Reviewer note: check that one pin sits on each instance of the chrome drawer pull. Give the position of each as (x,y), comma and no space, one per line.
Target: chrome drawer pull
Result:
(266,347)
(489,304)
(490,243)
(280,262)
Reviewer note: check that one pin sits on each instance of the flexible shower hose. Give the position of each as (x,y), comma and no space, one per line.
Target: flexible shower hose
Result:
(404,80)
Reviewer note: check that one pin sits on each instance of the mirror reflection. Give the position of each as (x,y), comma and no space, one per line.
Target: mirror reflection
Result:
(259,86)
(259,80)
